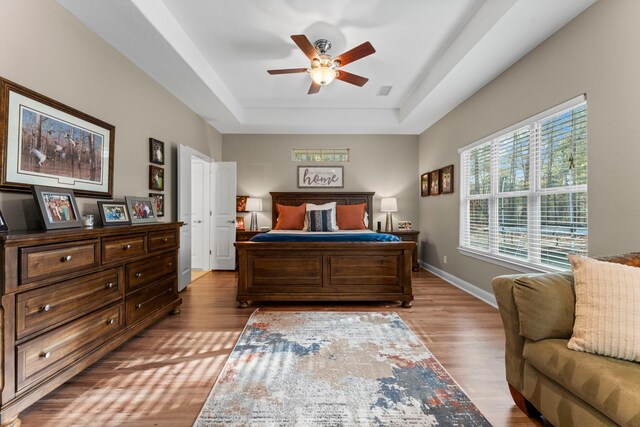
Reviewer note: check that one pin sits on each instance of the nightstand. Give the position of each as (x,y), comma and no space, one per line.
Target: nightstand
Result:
(409,236)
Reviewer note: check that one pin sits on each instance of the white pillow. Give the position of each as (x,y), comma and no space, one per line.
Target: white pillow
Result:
(607,308)
(330,205)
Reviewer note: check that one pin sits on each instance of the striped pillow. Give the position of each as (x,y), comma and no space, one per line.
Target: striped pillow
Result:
(607,316)
(318,220)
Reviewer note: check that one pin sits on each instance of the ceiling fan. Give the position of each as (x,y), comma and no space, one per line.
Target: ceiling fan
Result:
(324,69)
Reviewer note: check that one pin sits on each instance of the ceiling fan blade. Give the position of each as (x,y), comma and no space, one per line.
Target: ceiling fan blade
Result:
(305,45)
(354,79)
(288,71)
(358,52)
(314,88)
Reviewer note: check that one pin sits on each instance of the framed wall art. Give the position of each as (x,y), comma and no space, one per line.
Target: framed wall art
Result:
(141,209)
(320,177)
(156,178)
(57,207)
(446,180)
(156,151)
(239,223)
(434,182)
(158,198)
(241,203)
(46,143)
(114,213)
(424,184)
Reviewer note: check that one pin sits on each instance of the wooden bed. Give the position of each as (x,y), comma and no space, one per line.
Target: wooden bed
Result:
(324,271)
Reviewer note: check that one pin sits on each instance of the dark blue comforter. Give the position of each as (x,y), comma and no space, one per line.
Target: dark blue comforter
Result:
(329,237)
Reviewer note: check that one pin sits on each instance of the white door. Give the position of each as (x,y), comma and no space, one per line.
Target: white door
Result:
(185,155)
(223,185)
(200,213)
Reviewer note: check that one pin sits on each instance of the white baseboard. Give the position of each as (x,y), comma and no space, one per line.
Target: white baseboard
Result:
(469,288)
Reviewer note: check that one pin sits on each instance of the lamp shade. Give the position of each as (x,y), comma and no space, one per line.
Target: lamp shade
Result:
(388,204)
(254,204)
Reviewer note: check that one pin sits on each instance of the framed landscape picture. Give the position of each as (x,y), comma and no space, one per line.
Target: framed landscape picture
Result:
(156,151)
(141,209)
(114,213)
(57,207)
(46,143)
(156,178)
(446,180)
(424,184)
(434,182)
(159,201)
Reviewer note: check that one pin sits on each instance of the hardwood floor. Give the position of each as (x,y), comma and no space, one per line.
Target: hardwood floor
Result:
(163,376)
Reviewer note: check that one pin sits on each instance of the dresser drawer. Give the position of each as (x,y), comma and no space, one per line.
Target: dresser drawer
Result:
(148,300)
(42,308)
(159,240)
(41,262)
(142,273)
(45,355)
(123,247)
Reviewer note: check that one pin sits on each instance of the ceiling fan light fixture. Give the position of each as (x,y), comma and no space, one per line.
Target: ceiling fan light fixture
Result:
(323,75)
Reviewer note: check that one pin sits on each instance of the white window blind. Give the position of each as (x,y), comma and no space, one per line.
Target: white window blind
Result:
(524,190)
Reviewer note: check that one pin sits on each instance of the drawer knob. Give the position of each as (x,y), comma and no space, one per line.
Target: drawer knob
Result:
(111,321)
(109,285)
(138,275)
(67,258)
(165,240)
(139,305)
(170,264)
(127,246)
(45,354)
(46,307)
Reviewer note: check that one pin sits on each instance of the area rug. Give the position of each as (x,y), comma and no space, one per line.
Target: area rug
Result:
(334,369)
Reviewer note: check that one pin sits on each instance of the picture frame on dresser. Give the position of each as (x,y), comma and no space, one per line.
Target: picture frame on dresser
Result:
(141,209)
(46,143)
(114,213)
(159,200)
(3,223)
(57,207)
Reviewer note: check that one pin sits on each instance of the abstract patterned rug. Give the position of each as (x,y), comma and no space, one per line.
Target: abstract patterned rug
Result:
(334,369)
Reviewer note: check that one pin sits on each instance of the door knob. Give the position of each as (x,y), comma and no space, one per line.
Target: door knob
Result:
(231,222)
(197,221)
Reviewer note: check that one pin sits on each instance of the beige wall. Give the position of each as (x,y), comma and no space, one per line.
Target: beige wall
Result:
(385,164)
(595,54)
(46,49)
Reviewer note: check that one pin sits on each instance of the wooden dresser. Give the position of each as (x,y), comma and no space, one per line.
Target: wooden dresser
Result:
(71,296)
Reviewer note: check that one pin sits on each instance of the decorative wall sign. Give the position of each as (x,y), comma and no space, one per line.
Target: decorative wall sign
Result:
(44,142)
(446,180)
(320,177)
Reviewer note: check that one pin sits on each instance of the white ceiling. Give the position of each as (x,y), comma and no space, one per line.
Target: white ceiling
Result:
(213,55)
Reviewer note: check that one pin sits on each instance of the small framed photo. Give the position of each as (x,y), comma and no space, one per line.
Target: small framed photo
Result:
(239,223)
(446,178)
(156,178)
(156,151)
(114,213)
(57,207)
(404,225)
(141,209)
(3,223)
(241,203)
(159,201)
(434,182)
(424,184)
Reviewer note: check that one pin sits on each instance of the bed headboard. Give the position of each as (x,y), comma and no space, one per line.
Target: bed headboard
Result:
(296,198)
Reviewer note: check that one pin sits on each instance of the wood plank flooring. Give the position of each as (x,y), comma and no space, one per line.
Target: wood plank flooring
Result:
(163,376)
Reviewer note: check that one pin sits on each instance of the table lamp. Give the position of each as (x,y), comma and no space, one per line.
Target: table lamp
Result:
(388,205)
(254,205)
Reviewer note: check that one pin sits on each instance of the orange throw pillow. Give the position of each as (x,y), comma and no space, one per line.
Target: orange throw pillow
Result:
(351,217)
(290,217)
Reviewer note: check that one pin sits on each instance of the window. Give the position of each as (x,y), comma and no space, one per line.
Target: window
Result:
(524,191)
(320,155)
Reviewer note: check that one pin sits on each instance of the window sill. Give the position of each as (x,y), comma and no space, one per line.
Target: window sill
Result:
(514,264)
